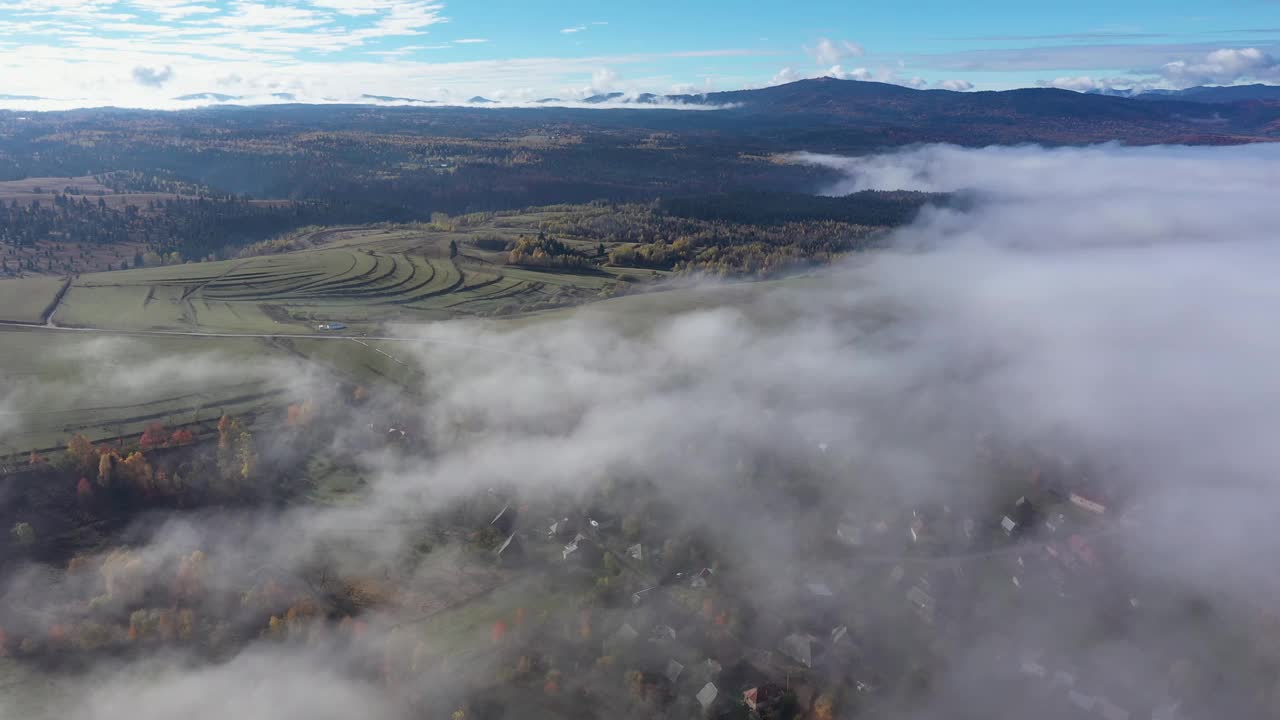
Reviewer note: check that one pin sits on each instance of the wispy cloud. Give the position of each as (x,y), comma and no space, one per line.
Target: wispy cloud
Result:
(1115,56)
(257,73)
(574,29)
(832,52)
(1222,67)
(471,41)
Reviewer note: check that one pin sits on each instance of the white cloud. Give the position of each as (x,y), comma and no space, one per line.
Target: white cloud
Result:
(832,52)
(173,9)
(471,41)
(354,7)
(880,74)
(152,77)
(574,29)
(603,81)
(840,73)
(406,50)
(408,18)
(786,75)
(246,14)
(955,85)
(1222,67)
(1082,83)
(201,64)
(1055,309)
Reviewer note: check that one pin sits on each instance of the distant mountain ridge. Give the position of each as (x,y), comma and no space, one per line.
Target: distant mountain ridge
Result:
(216,97)
(1228,93)
(855,97)
(1202,93)
(833,112)
(393,98)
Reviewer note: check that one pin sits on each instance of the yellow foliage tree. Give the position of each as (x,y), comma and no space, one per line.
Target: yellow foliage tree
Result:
(123,576)
(246,454)
(106,464)
(138,472)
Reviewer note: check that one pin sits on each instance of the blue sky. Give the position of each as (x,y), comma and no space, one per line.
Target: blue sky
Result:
(146,52)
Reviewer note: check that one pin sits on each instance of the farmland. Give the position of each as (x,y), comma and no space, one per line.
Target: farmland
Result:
(29,300)
(41,190)
(291,294)
(56,384)
(359,277)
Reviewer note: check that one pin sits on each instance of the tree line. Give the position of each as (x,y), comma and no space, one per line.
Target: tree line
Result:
(193,228)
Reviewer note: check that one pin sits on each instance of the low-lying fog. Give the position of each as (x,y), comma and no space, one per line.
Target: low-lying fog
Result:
(1118,304)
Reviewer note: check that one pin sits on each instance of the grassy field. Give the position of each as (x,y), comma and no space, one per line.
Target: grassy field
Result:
(294,293)
(27,300)
(251,316)
(55,384)
(28,692)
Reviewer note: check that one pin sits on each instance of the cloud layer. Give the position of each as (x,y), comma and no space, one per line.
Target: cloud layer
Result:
(1112,305)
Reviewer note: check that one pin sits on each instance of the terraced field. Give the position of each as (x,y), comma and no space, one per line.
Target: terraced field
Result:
(294,293)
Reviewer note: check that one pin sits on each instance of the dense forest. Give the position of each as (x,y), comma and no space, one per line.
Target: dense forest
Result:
(644,236)
(178,229)
(747,234)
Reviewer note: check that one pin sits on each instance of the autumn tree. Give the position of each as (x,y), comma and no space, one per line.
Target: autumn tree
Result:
(82,452)
(226,429)
(181,436)
(106,467)
(498,631)
(123,576)
(144,624)
(154,436)
(276,629)
(299,415)
(84,492)
(824,708)
(137,472)
(237,456)
(246,455)
(189,583)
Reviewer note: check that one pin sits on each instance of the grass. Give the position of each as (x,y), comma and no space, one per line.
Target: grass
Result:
(361,277)
(55,384)
(27,300)
(333,483)
(27,692)
(466,627)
